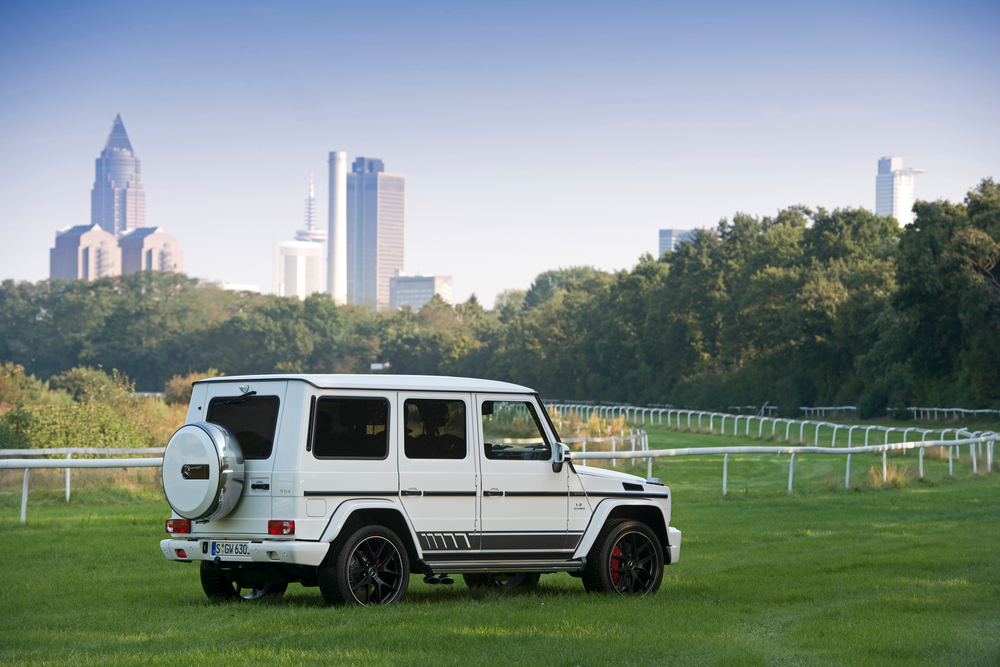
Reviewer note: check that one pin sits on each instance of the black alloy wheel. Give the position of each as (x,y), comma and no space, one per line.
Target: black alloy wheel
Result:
(217,586)
(627,559)
(369,567)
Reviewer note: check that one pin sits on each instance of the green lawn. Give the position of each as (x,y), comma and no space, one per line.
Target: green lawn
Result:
(869,575)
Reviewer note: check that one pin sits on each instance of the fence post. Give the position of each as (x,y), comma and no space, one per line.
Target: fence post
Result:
(68,456)
(649,467)
(24,497)
(791,471)
(951,468)
(921,463)
(883,467)
(614,462)
(725,472)
(847,476)
(972,451)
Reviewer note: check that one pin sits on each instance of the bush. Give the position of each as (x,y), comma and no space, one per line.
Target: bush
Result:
(178,388)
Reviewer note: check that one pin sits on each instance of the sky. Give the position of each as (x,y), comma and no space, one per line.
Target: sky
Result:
(532,135)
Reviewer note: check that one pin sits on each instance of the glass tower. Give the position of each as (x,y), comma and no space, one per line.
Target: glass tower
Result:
(375,203)
(117,202)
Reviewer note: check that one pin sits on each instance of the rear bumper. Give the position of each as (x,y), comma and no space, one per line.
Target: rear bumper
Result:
(673,545)
(273,551)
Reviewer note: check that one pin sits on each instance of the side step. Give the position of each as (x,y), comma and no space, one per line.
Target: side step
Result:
(458,567)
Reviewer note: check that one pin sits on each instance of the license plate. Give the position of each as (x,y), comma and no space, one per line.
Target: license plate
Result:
(230,548)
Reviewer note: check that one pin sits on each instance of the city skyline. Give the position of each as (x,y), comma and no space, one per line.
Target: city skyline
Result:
(526,149)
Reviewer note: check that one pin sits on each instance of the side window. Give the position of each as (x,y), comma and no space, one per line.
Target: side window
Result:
(435,429)
(511,431)
(351,428)
(252,419)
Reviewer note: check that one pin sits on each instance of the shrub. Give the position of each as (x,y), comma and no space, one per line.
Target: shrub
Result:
(178,388)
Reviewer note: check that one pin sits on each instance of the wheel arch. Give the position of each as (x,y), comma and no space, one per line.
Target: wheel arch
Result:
(354,513)
(648,512)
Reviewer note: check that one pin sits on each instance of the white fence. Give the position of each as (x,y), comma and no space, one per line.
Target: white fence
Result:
(69,463)
(988,439)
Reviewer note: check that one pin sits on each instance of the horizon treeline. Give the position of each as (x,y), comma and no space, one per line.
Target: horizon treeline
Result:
(808,307)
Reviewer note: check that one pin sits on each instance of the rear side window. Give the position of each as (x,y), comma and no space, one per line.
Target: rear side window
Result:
(351,428)
(252,419)
(435,429)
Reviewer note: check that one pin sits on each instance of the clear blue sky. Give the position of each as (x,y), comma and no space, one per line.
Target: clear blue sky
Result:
(532,136)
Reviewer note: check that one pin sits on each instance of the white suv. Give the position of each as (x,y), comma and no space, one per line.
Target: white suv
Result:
(350,482)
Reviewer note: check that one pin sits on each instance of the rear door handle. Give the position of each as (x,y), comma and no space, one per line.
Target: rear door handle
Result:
(411,492)
(493,492)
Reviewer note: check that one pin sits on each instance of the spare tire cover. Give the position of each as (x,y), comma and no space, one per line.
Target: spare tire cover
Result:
(203,471)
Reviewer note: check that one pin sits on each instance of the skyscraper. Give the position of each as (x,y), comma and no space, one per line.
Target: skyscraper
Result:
(375,214)
(894,189)
(117,202)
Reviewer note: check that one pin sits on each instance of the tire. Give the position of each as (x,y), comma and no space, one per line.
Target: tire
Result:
(219,588)
(626,559)
(367,567)
(520,581)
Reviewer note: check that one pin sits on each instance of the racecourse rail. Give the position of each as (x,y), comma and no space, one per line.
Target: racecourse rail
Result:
(639,449)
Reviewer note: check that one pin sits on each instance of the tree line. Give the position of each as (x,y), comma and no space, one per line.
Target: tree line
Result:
(808,307)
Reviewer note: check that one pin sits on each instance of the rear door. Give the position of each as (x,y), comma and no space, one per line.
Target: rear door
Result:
(437,472)
(524,503)
(252,411)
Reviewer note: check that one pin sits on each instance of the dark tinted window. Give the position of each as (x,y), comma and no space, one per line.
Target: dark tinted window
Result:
(351,428)
(435,429)
(512,431)
(251,418)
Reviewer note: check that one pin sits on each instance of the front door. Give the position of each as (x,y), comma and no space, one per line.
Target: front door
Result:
(524,503)
(437,473)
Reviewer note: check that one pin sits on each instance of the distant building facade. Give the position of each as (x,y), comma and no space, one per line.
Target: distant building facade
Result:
(298,268)
(671,238)
(85,252)
(150,249)
(894,189)
(416,291)
(375,226)
(118,202)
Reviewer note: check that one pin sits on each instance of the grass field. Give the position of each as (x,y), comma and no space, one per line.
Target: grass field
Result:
(901,574)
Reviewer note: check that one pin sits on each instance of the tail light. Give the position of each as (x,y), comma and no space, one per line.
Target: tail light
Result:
(280,527)
(178,526)
(181,553)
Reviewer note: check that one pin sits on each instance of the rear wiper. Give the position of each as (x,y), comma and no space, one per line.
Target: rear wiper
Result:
(239,399)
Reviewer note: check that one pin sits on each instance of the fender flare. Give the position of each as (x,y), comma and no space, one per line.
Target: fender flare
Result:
(344,511)
(600,517)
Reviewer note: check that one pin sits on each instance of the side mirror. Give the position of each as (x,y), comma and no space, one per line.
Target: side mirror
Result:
(562,455)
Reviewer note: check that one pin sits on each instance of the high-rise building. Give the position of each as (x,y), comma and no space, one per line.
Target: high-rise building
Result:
(894,189)
(375,214)
(416,291)
(85,252)
(118,202)
(671,238)
(298,268)
(150,249)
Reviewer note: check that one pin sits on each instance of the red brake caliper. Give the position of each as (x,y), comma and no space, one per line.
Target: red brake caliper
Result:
(615,553)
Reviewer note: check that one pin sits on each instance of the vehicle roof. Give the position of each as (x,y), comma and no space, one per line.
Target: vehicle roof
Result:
(390,382)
